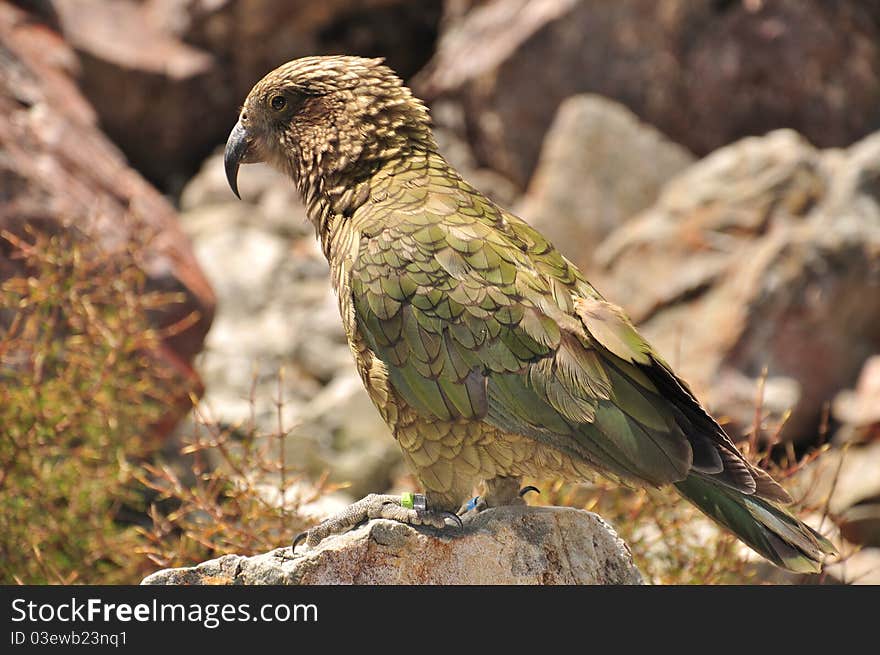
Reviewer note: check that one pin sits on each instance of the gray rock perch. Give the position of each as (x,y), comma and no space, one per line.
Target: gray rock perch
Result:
(507,545)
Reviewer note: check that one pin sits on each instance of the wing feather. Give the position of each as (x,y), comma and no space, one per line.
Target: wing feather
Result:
(483,320)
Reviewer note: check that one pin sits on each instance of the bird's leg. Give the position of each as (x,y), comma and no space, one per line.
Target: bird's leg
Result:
(499,491)
(412,509)
(503,491)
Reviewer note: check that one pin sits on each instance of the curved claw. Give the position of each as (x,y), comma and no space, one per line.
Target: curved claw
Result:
(525,490)
(454,517)
(298,538)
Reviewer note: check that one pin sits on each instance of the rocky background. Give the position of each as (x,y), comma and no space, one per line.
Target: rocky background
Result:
(714,166)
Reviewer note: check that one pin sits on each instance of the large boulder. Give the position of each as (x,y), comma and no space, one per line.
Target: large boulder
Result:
(704,72)
(508,545)
(59,173)
(599,166)
(763,256)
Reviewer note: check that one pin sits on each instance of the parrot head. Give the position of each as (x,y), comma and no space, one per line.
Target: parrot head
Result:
(316,117)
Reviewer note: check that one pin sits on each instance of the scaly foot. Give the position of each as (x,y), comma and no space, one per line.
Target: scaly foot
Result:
(410,509)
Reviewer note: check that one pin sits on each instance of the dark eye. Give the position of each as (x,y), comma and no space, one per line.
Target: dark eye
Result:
(278,102)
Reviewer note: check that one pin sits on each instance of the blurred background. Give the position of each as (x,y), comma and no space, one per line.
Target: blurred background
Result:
(174,380)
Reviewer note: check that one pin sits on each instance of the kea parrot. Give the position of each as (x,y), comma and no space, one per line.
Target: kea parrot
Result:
(488,354)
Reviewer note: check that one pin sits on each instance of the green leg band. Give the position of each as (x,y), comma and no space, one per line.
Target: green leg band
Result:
(410,500)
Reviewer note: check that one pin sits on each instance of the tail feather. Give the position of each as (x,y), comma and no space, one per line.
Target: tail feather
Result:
(763,525)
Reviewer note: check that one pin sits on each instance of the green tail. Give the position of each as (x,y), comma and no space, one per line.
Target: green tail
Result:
(764,526)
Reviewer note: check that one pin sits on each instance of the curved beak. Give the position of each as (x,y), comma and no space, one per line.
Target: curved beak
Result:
(235,154)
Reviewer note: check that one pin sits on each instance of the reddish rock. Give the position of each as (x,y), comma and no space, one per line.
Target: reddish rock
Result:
(250,37)
(58,172)
(757,65)
(160,100)
(167,76)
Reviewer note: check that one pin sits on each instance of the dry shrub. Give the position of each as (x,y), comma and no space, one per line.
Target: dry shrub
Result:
(237,494)
(80,390)
(85,496)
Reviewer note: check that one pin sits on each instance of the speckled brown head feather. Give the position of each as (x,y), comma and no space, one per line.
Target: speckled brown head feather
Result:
(326,119)
(485,350)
